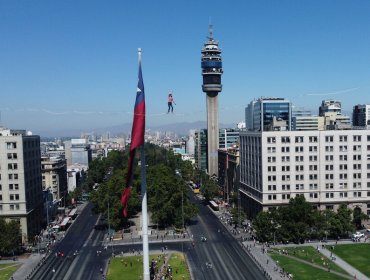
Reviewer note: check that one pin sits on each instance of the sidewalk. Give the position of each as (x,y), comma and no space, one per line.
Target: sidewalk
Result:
(28,266)
(262,259)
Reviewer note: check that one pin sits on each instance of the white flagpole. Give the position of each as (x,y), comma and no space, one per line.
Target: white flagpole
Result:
(144,210)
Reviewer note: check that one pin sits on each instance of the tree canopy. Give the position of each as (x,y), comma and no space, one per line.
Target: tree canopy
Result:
(299,221)
(10,236)
(167,193)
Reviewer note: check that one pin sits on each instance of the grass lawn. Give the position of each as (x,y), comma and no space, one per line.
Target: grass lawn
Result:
(7,270)
(357,255)
(302,271)
(131,267)
(310,254)
(178,263)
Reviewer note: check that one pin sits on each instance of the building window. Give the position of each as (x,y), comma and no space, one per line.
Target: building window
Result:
(356,194)
(299,168)
(343,157)
(313,167)
(285,139)
(285,158)
(299,149)
(329,158)
(313,177)
(271,159)
(285,178)
(269,168)
(342,166)
(285,149)
(329,148)
(342,138)
(299,139)
(12,156)
(357,185)
(356,157)
(12,166)
(271,187)
(285,168)
(343,194)
(342,185)
(285,187)
(271,178)
(298,158)
(329,138)
(313,195)
(299,186)
(11,145)
(357,148)
(329,186)
(271,150)
(357,166)
(313,158)
(312,139)
(329,195)
(11,206)
(313,186)
(313,148)
(356,176)
(329,167)
(271,140)
(299,177)
(343,148)
(342,176)
(356,138)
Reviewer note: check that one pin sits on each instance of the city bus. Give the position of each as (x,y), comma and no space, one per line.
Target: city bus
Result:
(213,205)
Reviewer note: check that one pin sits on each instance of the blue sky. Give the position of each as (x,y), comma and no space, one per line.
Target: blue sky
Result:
(73,64)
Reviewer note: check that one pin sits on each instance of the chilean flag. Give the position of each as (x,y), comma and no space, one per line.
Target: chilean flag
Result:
(137,138)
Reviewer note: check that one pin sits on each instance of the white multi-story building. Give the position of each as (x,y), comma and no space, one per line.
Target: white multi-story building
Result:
(21,195)
(54,177)
(328,167)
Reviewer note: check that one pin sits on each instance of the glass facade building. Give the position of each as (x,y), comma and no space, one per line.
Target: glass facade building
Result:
(261,113)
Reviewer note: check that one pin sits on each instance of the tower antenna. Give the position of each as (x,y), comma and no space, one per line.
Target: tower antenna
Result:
(210,30)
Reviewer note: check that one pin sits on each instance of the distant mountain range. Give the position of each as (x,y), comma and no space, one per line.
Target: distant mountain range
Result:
(181,128)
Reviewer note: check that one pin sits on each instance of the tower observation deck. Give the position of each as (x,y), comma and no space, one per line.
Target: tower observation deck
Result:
(211,71)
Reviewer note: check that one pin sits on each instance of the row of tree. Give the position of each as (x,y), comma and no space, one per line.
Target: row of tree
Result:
(299,221)
(168,201)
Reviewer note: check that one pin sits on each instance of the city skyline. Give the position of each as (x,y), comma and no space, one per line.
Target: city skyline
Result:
(74,65)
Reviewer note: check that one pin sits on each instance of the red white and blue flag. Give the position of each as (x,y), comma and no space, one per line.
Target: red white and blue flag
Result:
(137,138)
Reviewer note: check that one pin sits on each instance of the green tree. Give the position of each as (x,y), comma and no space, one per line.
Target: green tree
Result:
(10,237)
(262,225)
(358,217)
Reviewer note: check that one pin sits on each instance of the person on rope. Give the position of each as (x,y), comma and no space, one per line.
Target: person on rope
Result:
(170,101)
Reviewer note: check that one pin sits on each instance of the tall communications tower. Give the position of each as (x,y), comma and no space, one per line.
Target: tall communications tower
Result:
(211,72)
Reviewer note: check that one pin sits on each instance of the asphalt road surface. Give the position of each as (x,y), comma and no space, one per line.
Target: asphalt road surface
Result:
(220,257)
(84,240)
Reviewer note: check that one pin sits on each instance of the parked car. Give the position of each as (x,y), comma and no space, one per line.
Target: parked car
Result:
(357,235)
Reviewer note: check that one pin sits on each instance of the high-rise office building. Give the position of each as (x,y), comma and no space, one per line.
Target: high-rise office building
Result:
(211,72)
(21,196)
(266,112)
(361,115)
